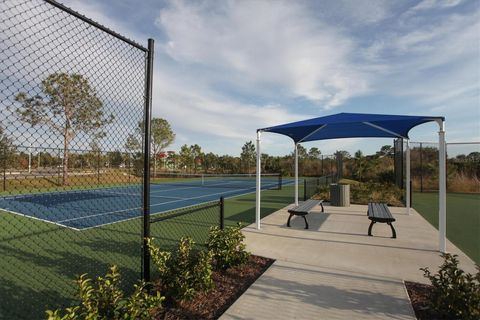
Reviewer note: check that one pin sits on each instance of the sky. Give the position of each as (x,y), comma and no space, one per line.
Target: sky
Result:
(222,69)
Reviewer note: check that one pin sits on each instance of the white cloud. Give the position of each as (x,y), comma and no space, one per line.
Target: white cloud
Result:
(191,108)
(432,61)
(227,68)
(265,44)
(433,4)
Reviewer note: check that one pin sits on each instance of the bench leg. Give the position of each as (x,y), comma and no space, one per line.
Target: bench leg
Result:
(370,228)
(288,222)
(306,223)
(394,234)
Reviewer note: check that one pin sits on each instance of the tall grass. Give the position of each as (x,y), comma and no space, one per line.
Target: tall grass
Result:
(456,183)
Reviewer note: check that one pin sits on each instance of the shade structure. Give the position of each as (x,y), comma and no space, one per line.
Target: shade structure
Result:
(351,125)
(360,125)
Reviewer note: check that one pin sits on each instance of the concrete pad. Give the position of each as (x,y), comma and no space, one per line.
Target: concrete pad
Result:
(294,291)
(334,269)
(338,239)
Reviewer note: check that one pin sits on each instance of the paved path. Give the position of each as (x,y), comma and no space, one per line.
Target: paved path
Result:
(334,270)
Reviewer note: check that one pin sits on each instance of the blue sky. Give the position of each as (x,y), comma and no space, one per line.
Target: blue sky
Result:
(225,68)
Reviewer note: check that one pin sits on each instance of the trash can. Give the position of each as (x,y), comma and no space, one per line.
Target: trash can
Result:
(340,195)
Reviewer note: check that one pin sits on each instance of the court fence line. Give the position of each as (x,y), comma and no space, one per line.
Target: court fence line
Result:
(463,166)
(75,102)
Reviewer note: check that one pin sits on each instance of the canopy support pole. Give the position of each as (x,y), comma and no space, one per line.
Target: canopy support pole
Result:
(258,183)
(442,187)
(296,174)
(407,178)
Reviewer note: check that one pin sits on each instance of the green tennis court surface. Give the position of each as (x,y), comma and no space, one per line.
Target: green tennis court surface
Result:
(41,251)
(463,218)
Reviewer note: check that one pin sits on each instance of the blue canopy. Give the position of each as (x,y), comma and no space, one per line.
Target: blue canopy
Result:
(351,125)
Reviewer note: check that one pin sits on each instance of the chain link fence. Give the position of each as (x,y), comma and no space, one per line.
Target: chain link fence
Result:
(463,190)
(72,94)
(463,167)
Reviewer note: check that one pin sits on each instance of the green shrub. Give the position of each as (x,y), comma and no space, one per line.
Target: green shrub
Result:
(227,247)
(184,272)
(106,301)
(363,193)
(455,294)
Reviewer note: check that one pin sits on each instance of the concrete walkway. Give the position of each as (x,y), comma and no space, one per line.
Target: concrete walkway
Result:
(334,270)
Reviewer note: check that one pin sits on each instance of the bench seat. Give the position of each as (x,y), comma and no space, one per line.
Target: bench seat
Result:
(379,212)
(303,209)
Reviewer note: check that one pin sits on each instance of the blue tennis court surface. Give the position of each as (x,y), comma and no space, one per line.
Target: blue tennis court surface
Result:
(83,209)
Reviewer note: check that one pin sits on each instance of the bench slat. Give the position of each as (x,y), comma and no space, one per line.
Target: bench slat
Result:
(306,206)
(304,209)
(379,212)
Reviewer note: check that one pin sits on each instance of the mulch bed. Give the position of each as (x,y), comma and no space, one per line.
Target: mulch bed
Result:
(229,286)
(419,295)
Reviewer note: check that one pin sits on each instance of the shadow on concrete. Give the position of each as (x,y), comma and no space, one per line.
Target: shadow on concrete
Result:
(331,297)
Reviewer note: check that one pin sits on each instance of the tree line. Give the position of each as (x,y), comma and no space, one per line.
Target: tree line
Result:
(69,105)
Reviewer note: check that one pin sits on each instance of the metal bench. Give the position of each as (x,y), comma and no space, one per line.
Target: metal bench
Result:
(379,212)
(304,209)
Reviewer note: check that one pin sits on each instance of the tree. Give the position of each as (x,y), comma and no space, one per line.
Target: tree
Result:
(197,154)
(211,161)
(69,105)
(302,152)
(133,144)
(134,154)
(228,164)
(385,151)
(345,154)
(162,136)
(186,158)
(314,153)
(7,149)
(115,158)
(248,154)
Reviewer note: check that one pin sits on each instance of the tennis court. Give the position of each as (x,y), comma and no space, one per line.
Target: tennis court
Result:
(89,208)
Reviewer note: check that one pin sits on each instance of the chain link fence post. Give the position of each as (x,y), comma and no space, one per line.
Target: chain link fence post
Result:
(146,168)
(222,213)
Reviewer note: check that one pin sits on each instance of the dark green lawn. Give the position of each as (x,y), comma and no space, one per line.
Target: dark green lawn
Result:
(39,260)
(463,218)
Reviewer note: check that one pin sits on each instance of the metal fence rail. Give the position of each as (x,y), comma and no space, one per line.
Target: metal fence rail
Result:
(72,197)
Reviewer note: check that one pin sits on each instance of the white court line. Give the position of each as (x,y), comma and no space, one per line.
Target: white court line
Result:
(59,192)
(183,188)
(137,208)
(39,219)
(99,214)
(195,187)
(152,205)
(160,212)
(140,194)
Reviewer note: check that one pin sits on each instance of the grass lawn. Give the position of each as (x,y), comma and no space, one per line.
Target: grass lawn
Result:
(39,260)
(463,218)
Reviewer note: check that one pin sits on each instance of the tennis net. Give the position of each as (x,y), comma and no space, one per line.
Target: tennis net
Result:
(236,181)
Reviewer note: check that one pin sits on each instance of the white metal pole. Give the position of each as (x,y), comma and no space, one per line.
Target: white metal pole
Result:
(296,174)
(442,198)
(407,196)
(258,183)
